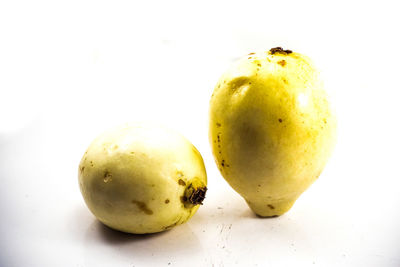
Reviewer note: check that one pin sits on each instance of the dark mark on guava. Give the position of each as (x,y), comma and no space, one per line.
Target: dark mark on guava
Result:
(143,207)
(282,63)
(279,50)
(198,196)
(194,196)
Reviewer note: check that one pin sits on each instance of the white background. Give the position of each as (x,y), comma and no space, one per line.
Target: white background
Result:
(71,69)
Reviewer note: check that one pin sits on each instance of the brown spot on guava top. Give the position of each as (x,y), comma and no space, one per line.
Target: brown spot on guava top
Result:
(181,182)
(167,201)
(143,207)
(270,206)
(282,63)
(279,50)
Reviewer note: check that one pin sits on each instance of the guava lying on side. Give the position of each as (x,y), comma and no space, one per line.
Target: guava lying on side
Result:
(142,178)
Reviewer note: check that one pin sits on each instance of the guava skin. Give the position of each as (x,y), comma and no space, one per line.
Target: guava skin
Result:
(271,128)
(142,178)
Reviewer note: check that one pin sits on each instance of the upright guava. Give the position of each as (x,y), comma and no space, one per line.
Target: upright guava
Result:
(271,128)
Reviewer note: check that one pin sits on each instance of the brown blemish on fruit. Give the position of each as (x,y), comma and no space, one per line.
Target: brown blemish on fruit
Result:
(270,206)
(219,142)
(279,50)
(284,80)
(251,53)
(218,124)
(223,163)
(143,207)
(91,163)
(167,201)
(282,63)
(81,169)
(181,182)
(107,177)
(280,120)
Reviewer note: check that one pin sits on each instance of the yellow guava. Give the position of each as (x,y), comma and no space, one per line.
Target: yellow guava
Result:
(142,178)
(271,128)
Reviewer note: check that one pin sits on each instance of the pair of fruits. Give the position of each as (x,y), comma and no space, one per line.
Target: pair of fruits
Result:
(271,131)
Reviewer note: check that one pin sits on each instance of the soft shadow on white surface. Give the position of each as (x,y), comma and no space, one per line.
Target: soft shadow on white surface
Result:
(102,244)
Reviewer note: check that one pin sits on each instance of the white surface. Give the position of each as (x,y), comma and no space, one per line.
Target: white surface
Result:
(69,70)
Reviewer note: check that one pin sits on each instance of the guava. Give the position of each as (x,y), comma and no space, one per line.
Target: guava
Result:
(142,178)
(271,128)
